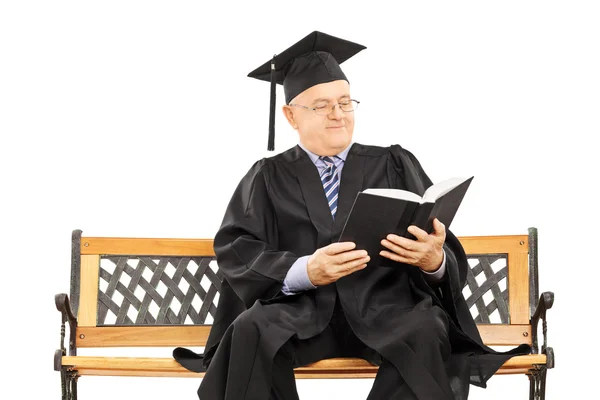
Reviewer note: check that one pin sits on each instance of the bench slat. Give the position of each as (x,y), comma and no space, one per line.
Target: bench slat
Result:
(88,305)
(332,368)
(518,288)
(143,336)
(495,244)
(196,335)
(147,246)
(204,247)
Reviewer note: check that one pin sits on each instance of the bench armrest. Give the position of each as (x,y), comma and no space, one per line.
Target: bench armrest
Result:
(544,304)
(62,304)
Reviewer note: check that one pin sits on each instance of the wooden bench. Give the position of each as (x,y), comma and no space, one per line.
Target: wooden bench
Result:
(152,292)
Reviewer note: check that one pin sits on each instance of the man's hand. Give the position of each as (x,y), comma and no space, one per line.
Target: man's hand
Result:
(332,262)
(426,252)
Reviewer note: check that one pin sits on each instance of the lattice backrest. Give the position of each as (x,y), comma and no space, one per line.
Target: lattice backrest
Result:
(486,291)
(143,291)
(497,289)
(152,290)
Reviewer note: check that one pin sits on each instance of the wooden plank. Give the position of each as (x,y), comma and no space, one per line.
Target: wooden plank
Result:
(147,246)
(504,335)
(495,244)
(302,375)
(332,368)
(88,286)
(123,363)
(357,363)
(138,373)
(204,247)
(518,287)
(142,336)
(336,375)
(196,335)
(513,371)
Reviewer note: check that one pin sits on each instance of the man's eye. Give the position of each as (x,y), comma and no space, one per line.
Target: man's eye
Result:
(345,103)
(321,106)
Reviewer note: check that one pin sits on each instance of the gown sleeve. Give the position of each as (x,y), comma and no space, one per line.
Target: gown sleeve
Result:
(246,244)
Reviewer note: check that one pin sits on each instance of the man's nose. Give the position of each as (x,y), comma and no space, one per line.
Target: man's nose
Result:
(336,113)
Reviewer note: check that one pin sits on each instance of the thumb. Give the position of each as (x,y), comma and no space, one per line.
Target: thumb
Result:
(439,228)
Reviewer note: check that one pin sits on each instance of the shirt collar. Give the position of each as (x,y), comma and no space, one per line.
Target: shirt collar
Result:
(313,157)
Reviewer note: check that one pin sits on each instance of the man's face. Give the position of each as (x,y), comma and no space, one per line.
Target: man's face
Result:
(324,135)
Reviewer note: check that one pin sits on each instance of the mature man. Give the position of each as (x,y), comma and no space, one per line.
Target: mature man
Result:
(292,294)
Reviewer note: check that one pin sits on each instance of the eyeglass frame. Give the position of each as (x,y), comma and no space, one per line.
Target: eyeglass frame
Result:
(330,110)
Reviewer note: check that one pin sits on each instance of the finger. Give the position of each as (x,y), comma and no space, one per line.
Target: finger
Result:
(351,271)
(392,246)
(439,228)
(357,262)
(403,252)
(350,256)
(394,256)
(419,233)
(402,242)
(354,264)
(339,247)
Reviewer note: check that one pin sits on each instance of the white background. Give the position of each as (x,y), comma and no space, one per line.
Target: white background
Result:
(136,118)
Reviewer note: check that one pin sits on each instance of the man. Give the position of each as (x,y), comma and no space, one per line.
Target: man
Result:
(293,295)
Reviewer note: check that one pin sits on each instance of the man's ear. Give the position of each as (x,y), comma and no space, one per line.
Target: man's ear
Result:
(289,115)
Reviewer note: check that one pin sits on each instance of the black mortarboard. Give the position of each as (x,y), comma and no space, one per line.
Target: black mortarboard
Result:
(313,60)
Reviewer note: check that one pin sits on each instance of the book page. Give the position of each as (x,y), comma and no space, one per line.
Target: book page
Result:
(439,189)
(395,194)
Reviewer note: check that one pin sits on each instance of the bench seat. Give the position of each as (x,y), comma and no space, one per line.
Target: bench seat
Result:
(331,368)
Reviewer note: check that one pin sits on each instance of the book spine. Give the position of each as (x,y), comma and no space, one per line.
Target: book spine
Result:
(422,218)
(406,218)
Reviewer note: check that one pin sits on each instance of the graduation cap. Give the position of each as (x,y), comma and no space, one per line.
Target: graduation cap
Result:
(313,60)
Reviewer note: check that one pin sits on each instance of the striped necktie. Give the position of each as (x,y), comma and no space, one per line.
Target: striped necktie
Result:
(331,183)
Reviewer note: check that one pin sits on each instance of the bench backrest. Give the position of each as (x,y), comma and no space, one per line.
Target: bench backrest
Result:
(129,292)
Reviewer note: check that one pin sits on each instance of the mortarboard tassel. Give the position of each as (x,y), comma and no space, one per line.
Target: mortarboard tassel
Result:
(271,144)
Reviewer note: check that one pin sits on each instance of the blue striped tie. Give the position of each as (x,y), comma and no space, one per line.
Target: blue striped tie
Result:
(331,184)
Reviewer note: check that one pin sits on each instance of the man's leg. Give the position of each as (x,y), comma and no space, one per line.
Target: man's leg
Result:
(337,340)
(242,365)
(283,386)
(390,385)
(415,362)
(295,353)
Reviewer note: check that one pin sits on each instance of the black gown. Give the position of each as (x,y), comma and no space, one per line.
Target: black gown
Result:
(279,213)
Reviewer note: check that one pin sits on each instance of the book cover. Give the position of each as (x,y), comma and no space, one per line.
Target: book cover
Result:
(379,212)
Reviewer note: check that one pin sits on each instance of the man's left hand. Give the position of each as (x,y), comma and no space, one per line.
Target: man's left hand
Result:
(426,252)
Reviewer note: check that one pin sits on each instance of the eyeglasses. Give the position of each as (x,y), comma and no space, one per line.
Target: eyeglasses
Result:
(326,108)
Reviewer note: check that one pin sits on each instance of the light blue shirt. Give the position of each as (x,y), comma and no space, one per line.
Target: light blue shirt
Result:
(297,279)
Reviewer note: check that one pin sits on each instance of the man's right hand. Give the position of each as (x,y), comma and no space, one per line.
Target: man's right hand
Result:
(332,262)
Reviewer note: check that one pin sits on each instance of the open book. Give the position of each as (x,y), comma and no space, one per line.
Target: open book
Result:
(379,212)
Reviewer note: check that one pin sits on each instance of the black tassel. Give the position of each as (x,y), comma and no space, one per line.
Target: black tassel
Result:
(271,145)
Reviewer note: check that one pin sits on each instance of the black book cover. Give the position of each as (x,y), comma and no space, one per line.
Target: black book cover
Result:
(444,209)
(374,216)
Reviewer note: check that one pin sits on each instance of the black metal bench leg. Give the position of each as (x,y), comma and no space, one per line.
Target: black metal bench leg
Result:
(537,384)
(63,385)
(534,383)
(74,377)
(543,383)
(68,383)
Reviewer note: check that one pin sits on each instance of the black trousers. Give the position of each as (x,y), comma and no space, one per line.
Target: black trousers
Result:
(337,340)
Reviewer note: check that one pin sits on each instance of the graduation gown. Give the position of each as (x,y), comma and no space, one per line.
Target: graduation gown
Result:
(279,213)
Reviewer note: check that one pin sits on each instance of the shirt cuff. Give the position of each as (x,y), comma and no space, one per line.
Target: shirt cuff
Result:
(297,279)
(437,275)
